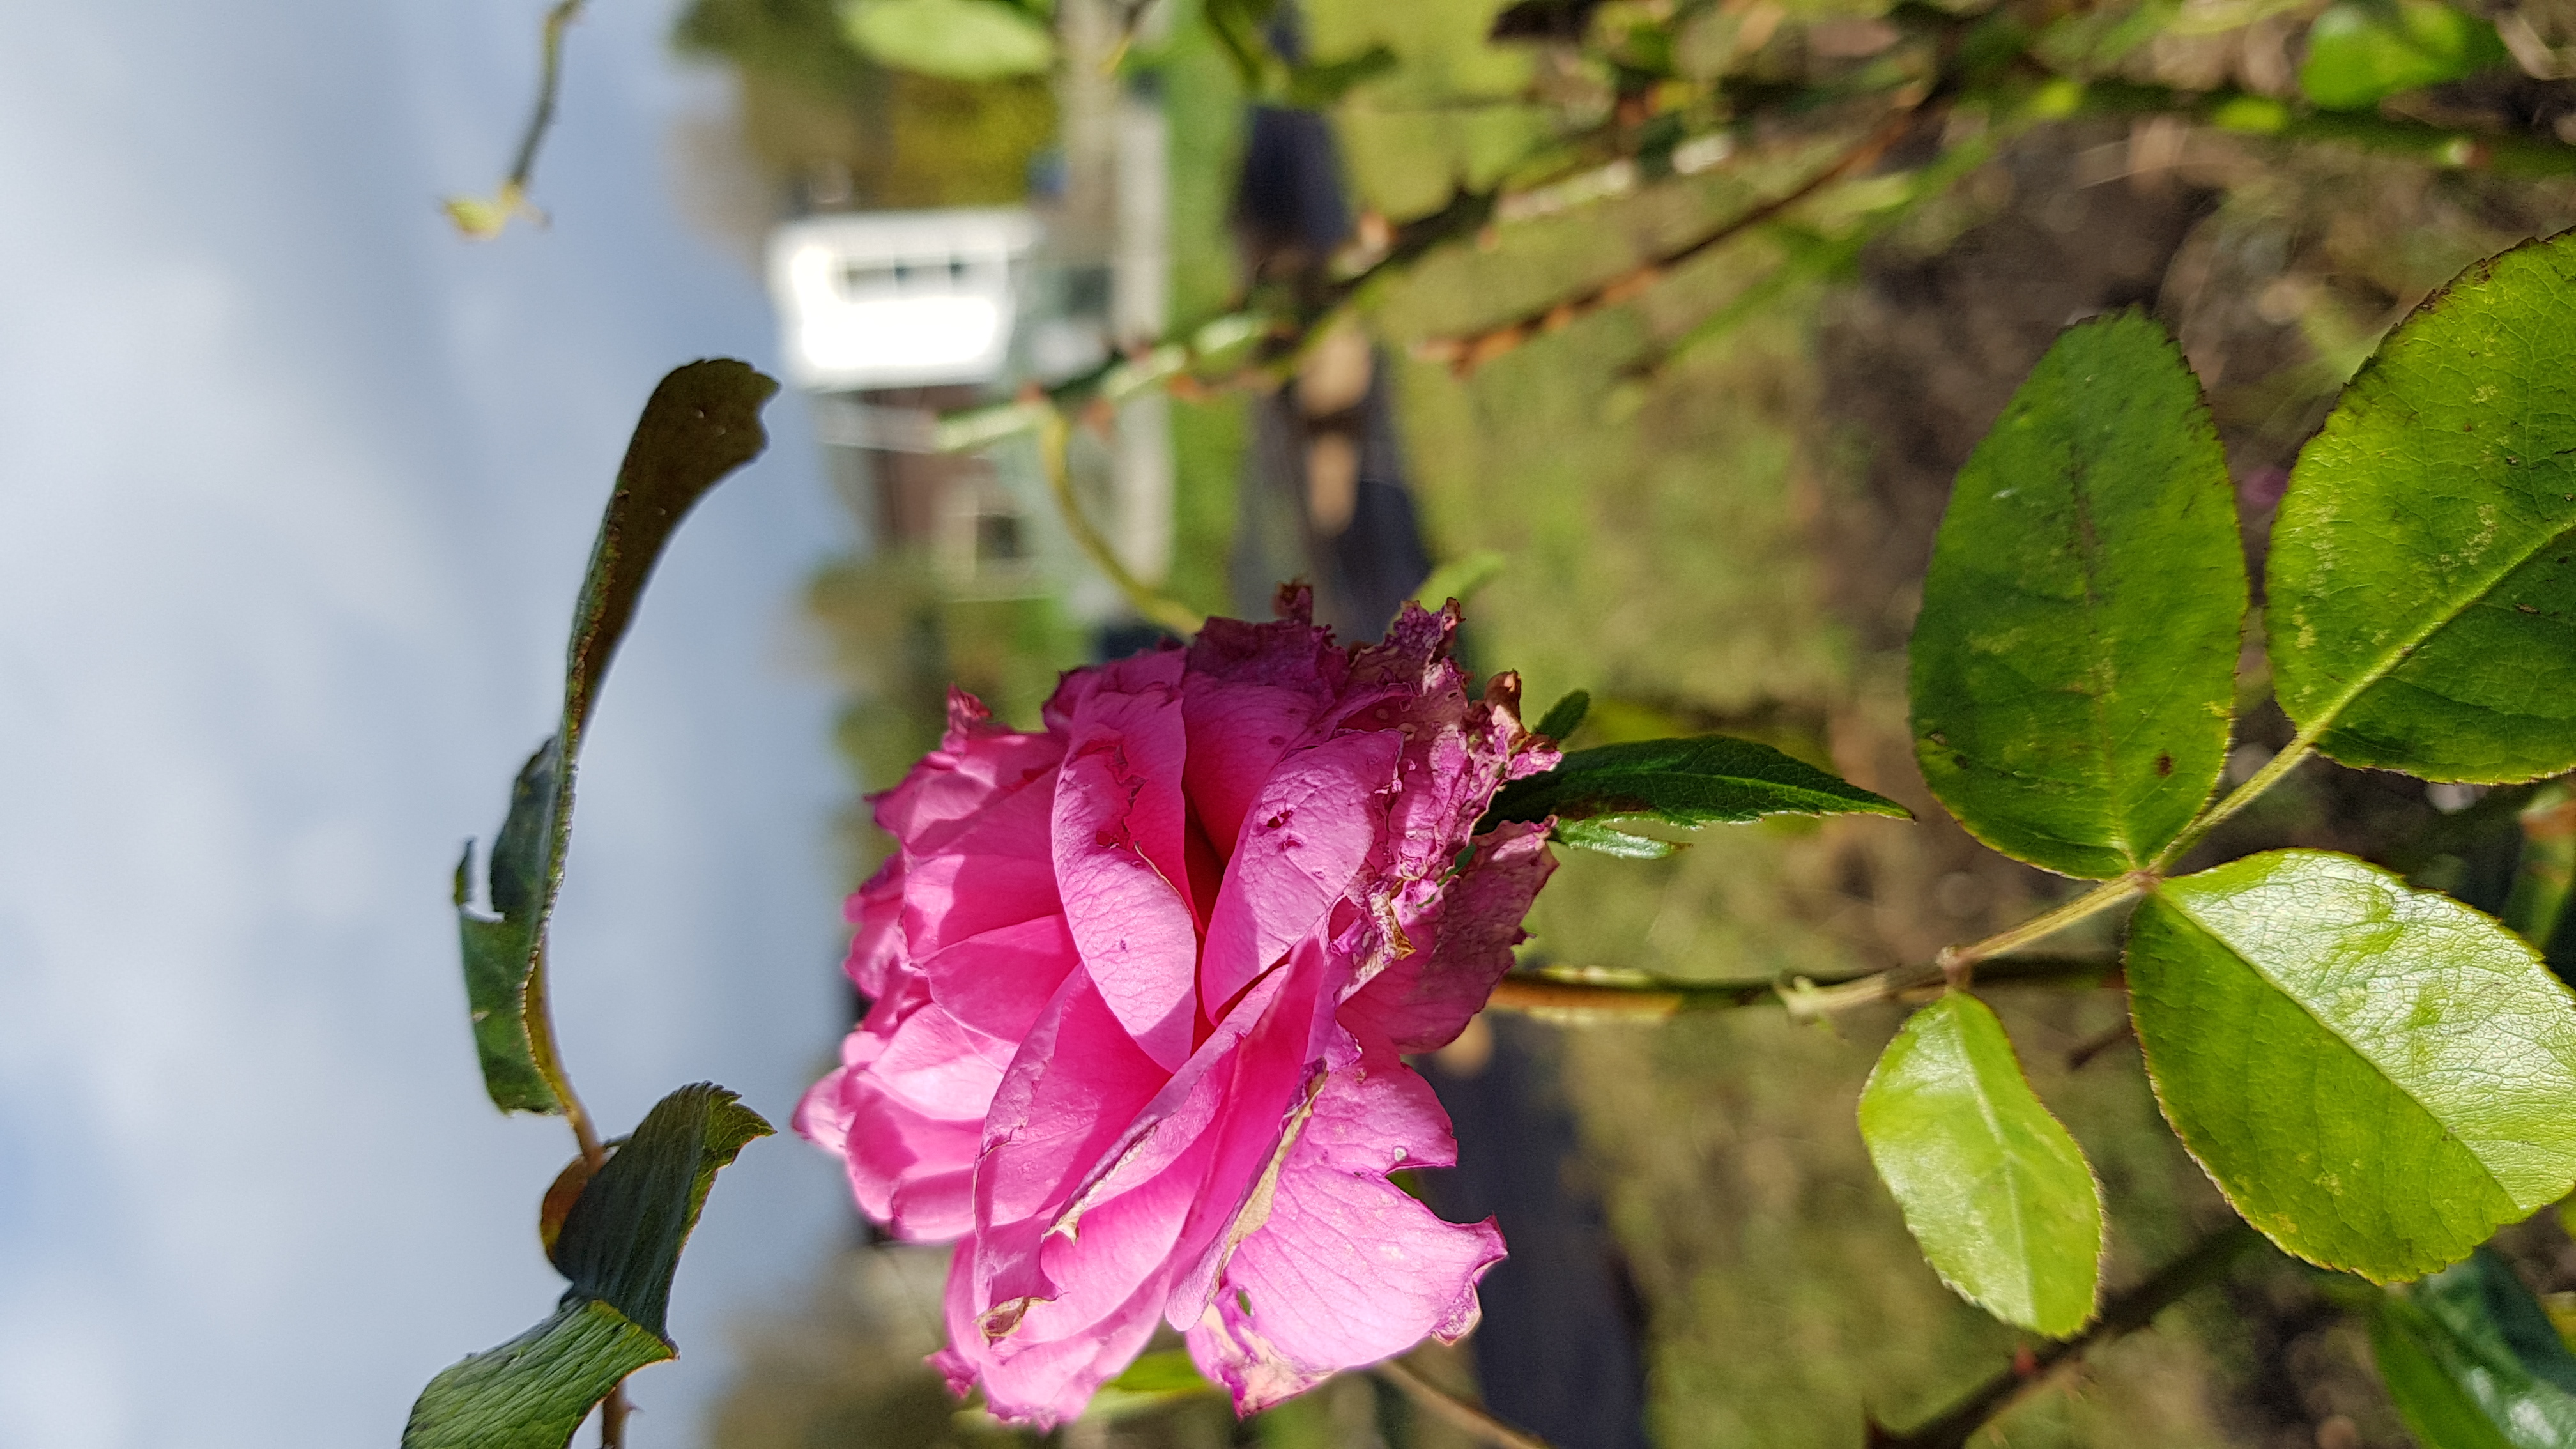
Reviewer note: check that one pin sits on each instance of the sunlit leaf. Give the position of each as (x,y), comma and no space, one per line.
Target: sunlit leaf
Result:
(1703,780)
(2074,664)
(619,1245)
(2361,52)
(2422,583)
(2473,1361)
(957,39)
(1994,1189)
(2377,1077)
(1610,840)
(702,423)
(534,1391)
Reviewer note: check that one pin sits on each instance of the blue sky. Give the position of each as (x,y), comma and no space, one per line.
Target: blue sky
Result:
(294,492)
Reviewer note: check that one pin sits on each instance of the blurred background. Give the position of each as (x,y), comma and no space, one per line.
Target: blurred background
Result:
(296,484)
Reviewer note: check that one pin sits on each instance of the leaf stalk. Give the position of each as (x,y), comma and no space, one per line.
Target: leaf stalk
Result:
(1155,607)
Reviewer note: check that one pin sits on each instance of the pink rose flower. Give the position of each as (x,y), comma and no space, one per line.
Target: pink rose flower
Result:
(1142,984)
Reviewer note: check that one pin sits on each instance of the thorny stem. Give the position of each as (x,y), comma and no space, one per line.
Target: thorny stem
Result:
(1156,608)
(1472,1418)
(1606,997)
(540,1017)
(1466,352)
(542,1048)
(2124,1315)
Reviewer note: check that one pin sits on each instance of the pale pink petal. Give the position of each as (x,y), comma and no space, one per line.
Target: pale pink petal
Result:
(908,1170)
(1309,830)
(1118,843)
(1463,946)
(942,1067)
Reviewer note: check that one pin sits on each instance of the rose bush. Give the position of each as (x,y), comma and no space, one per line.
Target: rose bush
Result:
(1140,987)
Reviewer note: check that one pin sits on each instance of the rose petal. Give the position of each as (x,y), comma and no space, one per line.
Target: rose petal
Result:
(1422,1001)
(1347,1270)
(1000,980)
(1043,1383)
(1072,1090)
(1118,847)
(908,1170)
(1309,830)
(942,1067)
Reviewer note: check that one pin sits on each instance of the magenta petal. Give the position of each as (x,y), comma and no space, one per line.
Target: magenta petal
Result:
(1139,987)
(1265,1092)
(1118,831)
(1346,1270)
(1041,1384)
(1308,832)
(1422,1001)
(977,764)
(1001,980)
(1076,1084)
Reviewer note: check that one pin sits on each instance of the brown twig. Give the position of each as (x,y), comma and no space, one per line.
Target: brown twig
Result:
(1466,352)
(2082,1053)
(2031,1367)
(1473,1418)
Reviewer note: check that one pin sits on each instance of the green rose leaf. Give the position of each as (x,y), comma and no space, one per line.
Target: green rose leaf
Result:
(2471,1359)
(2377,1077)
(534,1391)
(1565,716)
(1702,780)
(2074,664)
(2363,51)
(2422,611)
(619,1245)
(956,39)
(702,423)
(1994,1189)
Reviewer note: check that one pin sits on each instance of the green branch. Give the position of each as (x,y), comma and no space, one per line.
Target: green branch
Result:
(483,218)
(1585,995)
